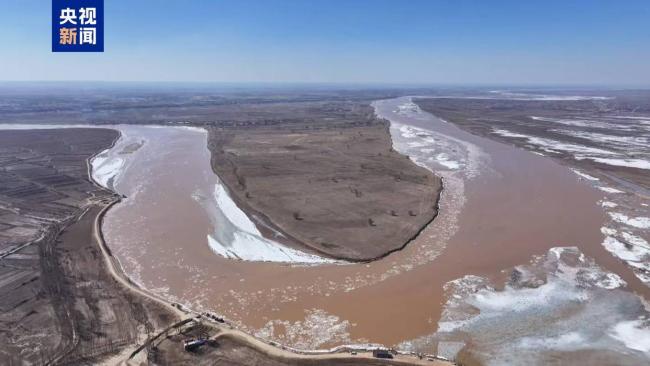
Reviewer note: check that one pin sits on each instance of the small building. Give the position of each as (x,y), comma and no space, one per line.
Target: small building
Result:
(382,353)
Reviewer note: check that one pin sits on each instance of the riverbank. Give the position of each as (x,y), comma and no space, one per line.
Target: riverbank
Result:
(234,345)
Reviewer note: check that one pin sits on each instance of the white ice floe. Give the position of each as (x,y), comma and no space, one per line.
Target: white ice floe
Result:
(563,341)
(610,190)
(628,253)
(639,222)
(426,148)
(635,240)
(585,176)
(628,247)
(317,328)
(414,144)
(608,204)
(567,266)
(233,213)
(443,159)
(608,231)
(237,237)
(106,168)
(407,108)
(635,334)
(430,148)
(547,307)
(254,248)
(435,151)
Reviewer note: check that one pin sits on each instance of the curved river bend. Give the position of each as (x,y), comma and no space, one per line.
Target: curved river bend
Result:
(500,207)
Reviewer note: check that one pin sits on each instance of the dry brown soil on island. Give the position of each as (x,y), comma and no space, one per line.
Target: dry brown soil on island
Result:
(339,190)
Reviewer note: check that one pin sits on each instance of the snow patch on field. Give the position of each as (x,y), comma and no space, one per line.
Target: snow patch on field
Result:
(553,146)
(626,162)
(610,190)
(583,122)
(624,152)
(502,94)
(585,176)
(624,141)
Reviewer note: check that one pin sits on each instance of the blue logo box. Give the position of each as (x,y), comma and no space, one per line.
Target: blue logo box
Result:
(77,25)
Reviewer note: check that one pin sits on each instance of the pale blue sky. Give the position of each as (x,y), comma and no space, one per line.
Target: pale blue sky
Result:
(466,42)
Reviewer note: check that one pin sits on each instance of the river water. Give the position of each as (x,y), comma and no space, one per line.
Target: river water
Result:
(540,223)
(501,208)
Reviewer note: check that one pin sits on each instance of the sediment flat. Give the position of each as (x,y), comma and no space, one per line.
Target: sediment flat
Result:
(340,191)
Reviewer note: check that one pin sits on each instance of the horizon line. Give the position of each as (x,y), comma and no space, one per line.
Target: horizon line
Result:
(342,83)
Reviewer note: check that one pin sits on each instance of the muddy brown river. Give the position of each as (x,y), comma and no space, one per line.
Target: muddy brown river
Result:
(175,231)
